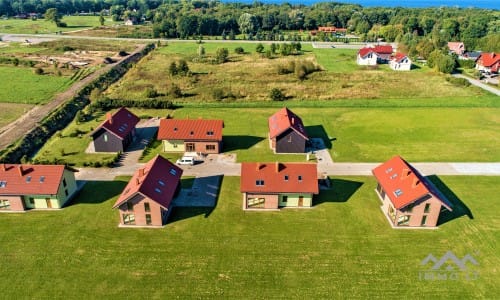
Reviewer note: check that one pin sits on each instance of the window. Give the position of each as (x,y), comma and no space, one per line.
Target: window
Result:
(300,177)
(409,208)
(130,206)
(191,133)
(285,199)
(32,201)
(173,171)
(424,219)
(146,207)
(129,219)
(174,145)
(175,128)
(259,182)
(4,204)
(28,179)
(394,175)
(210,147)
(161,183)
(404,220)
(286,177)
(148,219)
(66,192)
(105,136)
(3,184)
(427,208)
(42,179)
(210,132)
(256,202)
(158,190)
(398,192)
(64,182)
(289,138)
(388,170)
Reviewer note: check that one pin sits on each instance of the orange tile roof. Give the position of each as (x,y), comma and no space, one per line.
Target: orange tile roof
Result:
(279,178)
(403,184)
(121,123)
(283,120)
(190,129)
(157,180)
(488,59)
(399,56)
(19,179)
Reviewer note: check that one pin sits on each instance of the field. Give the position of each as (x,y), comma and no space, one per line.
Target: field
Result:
(9,112)
(342,248)
(249,77)
(43,26)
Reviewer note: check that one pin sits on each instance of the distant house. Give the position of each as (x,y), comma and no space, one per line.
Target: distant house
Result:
(408,198)
(456,47)
(186,135)
(147,198)
(275,185)
(488,62)
(131,21)
(24,187)
(373,55)
(330,29)
(287,133)
(400,62)
(471,55)
(116,132)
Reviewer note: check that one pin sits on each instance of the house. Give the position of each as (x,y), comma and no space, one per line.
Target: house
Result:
(147,198)
(488,62)
(131,21)
(187,135)
(400,62)
(275,185)
(116,132)
(456,47)
(24,187)
(287,133)
(471,55)
(373,55)
(408,198)
(330,29)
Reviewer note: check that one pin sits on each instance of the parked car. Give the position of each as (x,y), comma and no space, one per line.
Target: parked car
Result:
(185,160)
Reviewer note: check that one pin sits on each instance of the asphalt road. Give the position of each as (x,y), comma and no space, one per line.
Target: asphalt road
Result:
(480,84)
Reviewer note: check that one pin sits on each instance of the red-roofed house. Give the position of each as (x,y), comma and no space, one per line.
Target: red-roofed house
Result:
(408,198)
(274,185)
(373,55)
(400,62)
(287,133)
(197,135)
(456,47)
(488,62)
(24,187)
(148,196)
(116,132)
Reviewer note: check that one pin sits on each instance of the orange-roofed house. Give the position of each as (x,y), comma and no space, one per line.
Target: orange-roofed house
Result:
(456,47)
(116,132)
(191,135)
(147,198)
(373,55)
(400,62)
(275,185)
(408,198)
(24,187)
(287,133)
(488,62)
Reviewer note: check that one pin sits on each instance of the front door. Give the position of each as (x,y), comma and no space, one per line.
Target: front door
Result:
(301,201)
(189,147)
(49,203)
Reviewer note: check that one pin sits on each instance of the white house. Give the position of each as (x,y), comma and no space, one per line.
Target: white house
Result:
(400,62)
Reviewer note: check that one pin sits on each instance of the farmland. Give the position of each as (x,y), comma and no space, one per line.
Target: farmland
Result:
(43,26)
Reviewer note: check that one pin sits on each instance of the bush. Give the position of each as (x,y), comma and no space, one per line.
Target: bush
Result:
(218,94)
(221,55)
(182,67)
(150,92)
(38,71)
(458,81)
(466,63)
(286,68)
(175,91)
(239,50)
(172,69)
(122,53)
(277,95)
(259,48)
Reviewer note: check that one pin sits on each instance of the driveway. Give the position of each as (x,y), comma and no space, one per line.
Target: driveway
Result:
(479,84)
(203,193)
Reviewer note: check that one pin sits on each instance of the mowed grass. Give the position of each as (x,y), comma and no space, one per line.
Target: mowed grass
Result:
(9,112)
(341,248)
(43,26)
(250,77)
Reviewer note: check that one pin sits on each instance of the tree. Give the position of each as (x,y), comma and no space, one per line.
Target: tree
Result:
(277,95)
(172,69)
(182,68)
(248,23)
(259,48)
(201,51)
(221,55)
(101,18)
(53,15)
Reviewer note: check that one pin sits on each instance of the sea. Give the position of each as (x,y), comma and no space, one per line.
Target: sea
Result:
(488,4)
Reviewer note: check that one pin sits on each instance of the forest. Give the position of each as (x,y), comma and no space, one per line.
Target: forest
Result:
(420,30)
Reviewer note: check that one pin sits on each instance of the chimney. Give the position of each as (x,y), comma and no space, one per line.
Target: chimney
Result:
(141,172)
(406,173)
(416,182)
(109,117)
(20,169)
(3,167)
(277,167)
(258,166)
(137,182)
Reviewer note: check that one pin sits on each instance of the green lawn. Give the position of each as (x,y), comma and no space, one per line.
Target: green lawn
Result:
(342,248)
(43,26)
(9,112)
(21,85)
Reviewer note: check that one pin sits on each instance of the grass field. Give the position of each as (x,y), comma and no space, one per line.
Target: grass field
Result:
(43,26)
(9,112)
(342,248)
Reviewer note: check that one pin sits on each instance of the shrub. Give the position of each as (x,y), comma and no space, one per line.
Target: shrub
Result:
(268,54)
(172,69)
(38,71)
(277,95)
(218,94)
(259,48)
(221,55)
(201,51)
(122,53)
(458,81)
(182,67)
(150,92)
(175,91)
(239,50)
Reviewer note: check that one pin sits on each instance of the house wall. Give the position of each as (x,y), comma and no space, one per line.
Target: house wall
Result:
(293,200)
(173,146)
(202,147)
(404,66)
(65,192)
(369,60)
(138,210)
(40,201)
(290,142)
(271,200)
(113,143)
(16,203)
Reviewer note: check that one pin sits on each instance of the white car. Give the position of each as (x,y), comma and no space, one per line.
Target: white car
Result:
(185,160)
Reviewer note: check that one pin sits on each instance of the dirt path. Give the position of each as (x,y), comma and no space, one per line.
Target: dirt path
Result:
(15,130)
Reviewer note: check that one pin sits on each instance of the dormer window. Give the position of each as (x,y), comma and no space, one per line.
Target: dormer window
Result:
(191,133)
(210,132)
(286,177)
(28,179)
(398,192)
(42,179)
(3,184)
(259,182)
(388,170)
(300,177)
(175,128)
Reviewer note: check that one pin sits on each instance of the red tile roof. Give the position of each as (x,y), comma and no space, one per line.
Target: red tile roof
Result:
(283,120)
(17,179)
(364,51)
(488,59)
(191,130)
(383,49)
(157,180)
(279,178)
(403,184)
(121,123)
(399,56)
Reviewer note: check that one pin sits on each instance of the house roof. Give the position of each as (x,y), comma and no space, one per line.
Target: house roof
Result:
(21,179)
(364,51)
(488,59)
(157,180)
(279,178)
(399,56)
(190,129)
(383,49)
(403,184)
(121,123)
(457,47)
(283,120)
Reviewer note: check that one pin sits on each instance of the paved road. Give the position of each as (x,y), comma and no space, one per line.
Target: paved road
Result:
(478,83)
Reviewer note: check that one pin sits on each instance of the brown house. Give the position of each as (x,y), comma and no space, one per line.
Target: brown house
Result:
(203,136)
(147,198)
(408,198)
(287,133)
(116,132)
(275,185)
